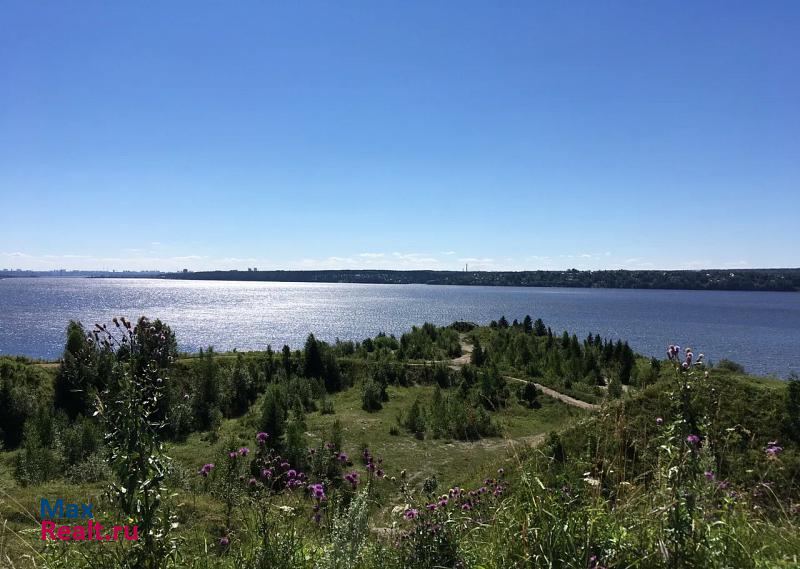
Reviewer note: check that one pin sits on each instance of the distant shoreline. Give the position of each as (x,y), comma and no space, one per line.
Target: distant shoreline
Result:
(754,280)
(772,280)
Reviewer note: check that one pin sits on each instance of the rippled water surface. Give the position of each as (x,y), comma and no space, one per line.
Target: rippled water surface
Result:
(759,330)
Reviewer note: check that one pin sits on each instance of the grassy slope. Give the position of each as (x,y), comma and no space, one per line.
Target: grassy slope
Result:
(451,462)
(751,405)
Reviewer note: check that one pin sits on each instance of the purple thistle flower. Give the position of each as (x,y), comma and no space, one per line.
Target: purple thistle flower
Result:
(672,351)
(709,475)
(224,541)
(262,438)
(352,478)
(692,439)
(772,449)
(659,421)
(291,473)
(206,469)
(232,454)
(411,513)
(252,482)
(594,563)
(244,451)
(266,473)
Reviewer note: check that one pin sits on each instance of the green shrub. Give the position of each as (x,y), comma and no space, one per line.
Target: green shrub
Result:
(25,389)
(372,396)
(414,420)
(326,406)
(730,366)
(37,462)
(80,440)
(94,468)
(528,395)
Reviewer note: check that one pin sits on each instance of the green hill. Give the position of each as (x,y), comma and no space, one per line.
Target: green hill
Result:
(434,449)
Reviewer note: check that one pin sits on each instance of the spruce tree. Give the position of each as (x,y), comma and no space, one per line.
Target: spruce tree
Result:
(312,365)
(273,414)
(286,360)
(527,324)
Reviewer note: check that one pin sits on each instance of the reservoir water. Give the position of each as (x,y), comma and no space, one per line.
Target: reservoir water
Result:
(760,330)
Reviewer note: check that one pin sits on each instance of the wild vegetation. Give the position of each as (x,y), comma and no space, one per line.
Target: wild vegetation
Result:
(435,449)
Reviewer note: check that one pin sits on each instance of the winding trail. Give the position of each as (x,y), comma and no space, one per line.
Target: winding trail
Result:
(466,355)
(462,360)
(558,395)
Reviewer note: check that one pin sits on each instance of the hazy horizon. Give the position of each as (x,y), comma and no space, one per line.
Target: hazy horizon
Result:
(266,269)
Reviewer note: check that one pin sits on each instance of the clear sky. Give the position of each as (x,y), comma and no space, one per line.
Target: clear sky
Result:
(509,135)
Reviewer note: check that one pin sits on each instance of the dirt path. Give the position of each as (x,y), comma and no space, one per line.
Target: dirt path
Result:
(558,395)
(466,353)
(464,359)
(498,443)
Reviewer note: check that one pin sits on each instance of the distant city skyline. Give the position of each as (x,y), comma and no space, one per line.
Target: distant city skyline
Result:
(394,261)
(509,136)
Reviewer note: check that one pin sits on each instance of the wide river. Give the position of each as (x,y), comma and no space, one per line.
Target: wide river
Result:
(761,330)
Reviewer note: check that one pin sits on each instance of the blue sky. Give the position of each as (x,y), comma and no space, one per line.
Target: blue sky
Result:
(509,135)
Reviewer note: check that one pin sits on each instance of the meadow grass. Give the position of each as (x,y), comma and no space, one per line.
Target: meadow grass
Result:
(450,462)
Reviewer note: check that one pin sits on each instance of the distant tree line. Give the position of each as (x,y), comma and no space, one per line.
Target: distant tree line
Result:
(711,279)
